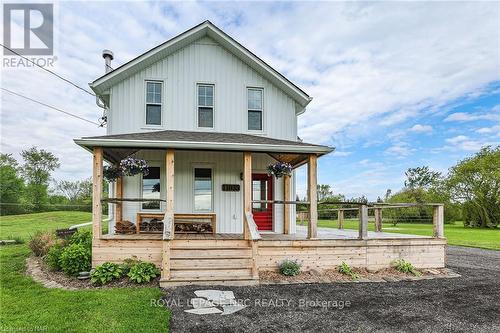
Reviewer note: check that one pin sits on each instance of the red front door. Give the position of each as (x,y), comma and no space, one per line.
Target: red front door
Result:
(262,189)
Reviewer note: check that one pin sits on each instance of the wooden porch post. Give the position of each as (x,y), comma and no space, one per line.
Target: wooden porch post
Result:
(168,220)
(438,221)
(286,209)
(247,190)
(119,195)
(341,218)
(363,222)
(97,194)
(378,219)
(312,229)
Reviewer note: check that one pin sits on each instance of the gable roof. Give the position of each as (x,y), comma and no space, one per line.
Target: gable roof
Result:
(207,28)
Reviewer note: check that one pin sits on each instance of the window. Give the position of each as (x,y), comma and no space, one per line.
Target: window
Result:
(203,189)
(255,107)
(205,105)
(151,188)
(153,102)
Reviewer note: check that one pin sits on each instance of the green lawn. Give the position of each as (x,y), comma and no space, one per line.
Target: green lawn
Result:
(27,306)
(456,234)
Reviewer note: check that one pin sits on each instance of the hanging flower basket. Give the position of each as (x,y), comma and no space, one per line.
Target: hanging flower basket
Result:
(111,173)
(279,169)
(133,166)
(128,167)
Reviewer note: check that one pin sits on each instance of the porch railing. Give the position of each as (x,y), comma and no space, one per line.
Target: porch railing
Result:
(363,211)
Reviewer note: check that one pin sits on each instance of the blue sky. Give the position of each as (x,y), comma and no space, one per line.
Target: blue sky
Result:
(395,84)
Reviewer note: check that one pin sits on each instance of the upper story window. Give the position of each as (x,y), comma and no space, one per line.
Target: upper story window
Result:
(255,108)
(151,188)
(153,102)
(206,105)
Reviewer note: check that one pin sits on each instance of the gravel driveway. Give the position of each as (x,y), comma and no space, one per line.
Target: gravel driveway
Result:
(470,303)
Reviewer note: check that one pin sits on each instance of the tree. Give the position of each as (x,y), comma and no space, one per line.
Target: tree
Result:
(421,177)
(36,170)
(11,186)
(71,190)
(324,192)
(475,181)
(75,190)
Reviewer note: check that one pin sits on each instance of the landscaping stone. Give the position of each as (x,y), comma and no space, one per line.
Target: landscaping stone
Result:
(202,311)
(83,277)
(214,295)
(201,303)
(230,309)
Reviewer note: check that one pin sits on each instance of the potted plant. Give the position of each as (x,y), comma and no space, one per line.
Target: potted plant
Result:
(279,169)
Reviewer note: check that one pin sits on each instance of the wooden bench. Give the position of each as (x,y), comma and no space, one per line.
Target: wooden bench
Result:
(188,218)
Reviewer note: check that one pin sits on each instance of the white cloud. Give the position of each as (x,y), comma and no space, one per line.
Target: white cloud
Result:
(421,128)
(492,114)
(341,153)
(399,150)
(463,142)
(489,130)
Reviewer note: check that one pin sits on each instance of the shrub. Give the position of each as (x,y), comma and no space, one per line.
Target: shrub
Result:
(347,270)
(143,272)
(41,242)
(74,259)
(406,267)
(128,263)
(105,273)
(82,237)
(290,268)
(53,257)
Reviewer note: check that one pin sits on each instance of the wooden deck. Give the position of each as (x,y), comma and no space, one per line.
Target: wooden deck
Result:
(229,259)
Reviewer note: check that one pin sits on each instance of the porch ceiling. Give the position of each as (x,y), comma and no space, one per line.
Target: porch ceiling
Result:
(116,147)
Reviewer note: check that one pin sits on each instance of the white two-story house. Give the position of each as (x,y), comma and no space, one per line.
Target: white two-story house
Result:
(208,98)
(209,116)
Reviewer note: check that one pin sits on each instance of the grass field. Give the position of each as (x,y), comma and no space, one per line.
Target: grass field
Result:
(456,234)
(26,306)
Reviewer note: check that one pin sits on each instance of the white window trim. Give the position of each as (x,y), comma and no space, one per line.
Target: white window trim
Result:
(162,104)
(203,166)
(152,164)
(201,83)
(261,131)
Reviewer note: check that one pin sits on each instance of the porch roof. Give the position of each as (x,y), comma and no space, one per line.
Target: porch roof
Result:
(118,146)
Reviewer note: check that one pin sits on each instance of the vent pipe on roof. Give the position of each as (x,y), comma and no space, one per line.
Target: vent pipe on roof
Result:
(108,56)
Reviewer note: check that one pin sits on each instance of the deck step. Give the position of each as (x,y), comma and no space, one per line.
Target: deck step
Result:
(212,243)
(210,275)
(211,253)
(226,282)
(225,263)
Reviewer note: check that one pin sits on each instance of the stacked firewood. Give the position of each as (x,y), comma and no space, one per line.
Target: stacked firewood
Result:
(154,225)
(193,227)
(125,227)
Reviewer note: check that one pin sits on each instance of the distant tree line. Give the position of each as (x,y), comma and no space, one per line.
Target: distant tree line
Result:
(470,192)
(27,186)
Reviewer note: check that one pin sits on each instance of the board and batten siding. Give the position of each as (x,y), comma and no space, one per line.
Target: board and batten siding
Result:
(226,166)
(203,61)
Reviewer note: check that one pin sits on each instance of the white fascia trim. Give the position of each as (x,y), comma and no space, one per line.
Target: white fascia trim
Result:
(203,145)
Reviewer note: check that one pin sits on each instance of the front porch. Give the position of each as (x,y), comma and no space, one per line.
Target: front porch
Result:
(235,250)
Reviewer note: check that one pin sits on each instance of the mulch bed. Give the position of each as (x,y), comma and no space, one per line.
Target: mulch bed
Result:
(333,275)
(61,280)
